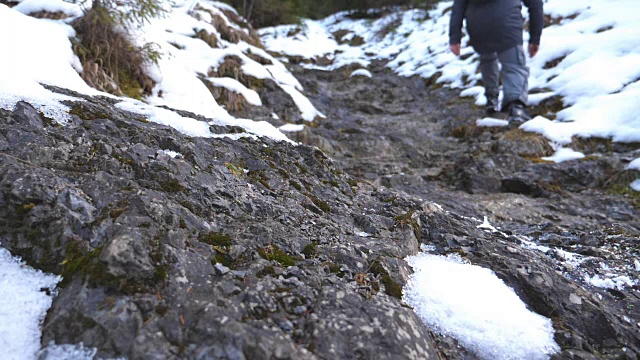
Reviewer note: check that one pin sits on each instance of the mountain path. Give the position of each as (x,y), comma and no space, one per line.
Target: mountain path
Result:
(417,137)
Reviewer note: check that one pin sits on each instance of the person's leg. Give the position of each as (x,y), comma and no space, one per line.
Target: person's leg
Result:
(490,71)
(515,76)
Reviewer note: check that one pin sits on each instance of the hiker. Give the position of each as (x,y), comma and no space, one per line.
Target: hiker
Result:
(495,28)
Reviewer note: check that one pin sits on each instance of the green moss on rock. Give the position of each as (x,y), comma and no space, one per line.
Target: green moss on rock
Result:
(391,288)
(273,252)
(215,239)
(310,250)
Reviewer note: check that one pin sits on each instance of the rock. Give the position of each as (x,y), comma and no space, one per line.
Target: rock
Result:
(221,269)
(142,242)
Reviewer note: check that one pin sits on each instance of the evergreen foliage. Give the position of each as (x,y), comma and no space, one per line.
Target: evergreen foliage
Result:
(261,13)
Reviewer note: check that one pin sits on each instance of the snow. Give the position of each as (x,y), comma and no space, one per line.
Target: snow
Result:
(473,305)
(170,153)
(291,128)
(23,306)
(23,68)
(564,154)
(492,122)
(634,165)
(611,281)
(309,112)
(595,46)
(361,72)
(67,352)
(486,225)
(32,6)
(234,85)
(178,72)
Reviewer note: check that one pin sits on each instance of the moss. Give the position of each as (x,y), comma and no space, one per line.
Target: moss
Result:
(302,169)
(332,183)
(26,208)
(407,219)
(296,185)
(222,257)
(285,175)
(85,113)
(267,270)
(391,288)
(47,121)
(310,250)
(274,253)
(626,191)
(235,170)
(161,273)
(123,160)
(537,160)
(319,203)
(129,85)
(260,177)
(172,185)
(334,268)
(115,213)
(215,239)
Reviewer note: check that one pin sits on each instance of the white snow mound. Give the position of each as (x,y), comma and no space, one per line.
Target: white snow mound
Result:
(474,306)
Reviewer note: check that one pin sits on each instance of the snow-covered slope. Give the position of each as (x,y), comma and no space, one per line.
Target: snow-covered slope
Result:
(589,58)
(40,53)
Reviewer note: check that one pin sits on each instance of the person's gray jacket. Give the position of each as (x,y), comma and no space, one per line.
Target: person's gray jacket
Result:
(495,25)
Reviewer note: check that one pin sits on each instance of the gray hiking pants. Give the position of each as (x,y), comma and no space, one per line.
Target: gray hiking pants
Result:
(515,75)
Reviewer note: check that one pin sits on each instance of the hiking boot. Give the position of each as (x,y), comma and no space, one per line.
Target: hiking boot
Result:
(517,112)
(492,105)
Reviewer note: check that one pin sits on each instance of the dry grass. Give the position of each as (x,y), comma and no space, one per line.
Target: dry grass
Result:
(111,62)
(229,33)
(548,108)
(210,39)
(59,15)
(232,68)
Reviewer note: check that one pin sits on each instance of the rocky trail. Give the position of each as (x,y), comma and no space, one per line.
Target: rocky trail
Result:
(416,137)
(183,247)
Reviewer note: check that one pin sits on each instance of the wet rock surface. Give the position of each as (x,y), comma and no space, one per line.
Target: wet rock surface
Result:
(559,224)
(252,249)
(244,249)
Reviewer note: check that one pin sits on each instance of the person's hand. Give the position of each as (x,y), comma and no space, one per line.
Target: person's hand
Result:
(455,48)
(533,49)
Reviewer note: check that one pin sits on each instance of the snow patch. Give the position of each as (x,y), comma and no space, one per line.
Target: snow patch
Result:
(495,324)
(361,72)
(291,127)
(67,352)
(564,154)
(492,122)
(23,306)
